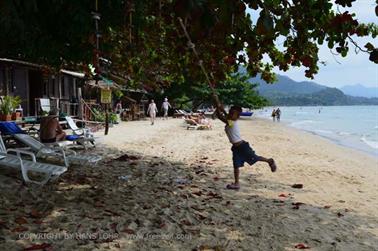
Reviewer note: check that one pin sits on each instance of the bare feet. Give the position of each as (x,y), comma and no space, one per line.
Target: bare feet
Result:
(272,165)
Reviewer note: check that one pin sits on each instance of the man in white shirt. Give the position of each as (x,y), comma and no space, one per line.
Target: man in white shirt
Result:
(241,150)
(165,107)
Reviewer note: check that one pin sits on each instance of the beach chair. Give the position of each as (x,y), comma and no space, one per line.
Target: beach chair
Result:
(45,105)
(84,135)
(16,160)
(191,124)
(55,151)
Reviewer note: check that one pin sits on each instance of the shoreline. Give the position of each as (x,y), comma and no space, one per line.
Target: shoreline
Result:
(357,143)
(369,151)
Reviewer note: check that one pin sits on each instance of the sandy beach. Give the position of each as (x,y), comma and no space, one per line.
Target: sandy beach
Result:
(162,187)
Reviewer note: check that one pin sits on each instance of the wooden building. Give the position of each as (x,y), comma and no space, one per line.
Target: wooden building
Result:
(31,83)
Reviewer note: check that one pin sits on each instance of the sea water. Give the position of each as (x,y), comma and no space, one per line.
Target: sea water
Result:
(351,126)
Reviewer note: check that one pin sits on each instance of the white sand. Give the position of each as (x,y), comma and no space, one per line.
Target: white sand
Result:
(151,211)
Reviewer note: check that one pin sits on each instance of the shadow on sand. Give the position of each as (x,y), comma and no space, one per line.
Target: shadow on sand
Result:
(146,202)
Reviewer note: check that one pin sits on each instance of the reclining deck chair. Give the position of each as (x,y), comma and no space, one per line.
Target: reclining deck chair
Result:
(191,124)
(83,133)
(16,161)
(44,151)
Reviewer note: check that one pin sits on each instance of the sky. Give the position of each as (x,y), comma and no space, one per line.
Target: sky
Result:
(339,71)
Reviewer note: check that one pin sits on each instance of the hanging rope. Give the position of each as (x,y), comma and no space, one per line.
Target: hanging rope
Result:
(200,62)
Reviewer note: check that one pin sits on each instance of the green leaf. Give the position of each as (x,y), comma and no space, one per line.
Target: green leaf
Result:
(369,46)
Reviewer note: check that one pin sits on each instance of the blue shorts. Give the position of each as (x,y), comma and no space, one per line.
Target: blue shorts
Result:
(243,153)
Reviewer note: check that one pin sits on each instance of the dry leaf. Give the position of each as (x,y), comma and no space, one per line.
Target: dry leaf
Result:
(21,220)
(43,246)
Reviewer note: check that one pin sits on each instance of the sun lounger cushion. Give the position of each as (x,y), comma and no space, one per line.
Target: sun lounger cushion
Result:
(10,128)
(72,137)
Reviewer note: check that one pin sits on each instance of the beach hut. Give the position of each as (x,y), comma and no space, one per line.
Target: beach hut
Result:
(39,88)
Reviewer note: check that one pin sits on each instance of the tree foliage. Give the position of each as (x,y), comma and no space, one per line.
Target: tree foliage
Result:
(145,42)
(235,89)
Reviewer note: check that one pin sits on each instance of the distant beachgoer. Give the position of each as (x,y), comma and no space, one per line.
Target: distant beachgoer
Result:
(50,129)
(165,107)
(274,114)
(118,107)
(278,114)
(241,150)
(152,110)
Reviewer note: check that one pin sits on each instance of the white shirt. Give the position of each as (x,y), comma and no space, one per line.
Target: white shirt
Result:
(233,131)
(166,105)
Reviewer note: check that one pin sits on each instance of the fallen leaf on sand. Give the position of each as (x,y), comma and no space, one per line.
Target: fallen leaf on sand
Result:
(283,195)
(216,178)
(339,214)
(327,206)
(200,171)
(126,157)
(113,226)
(301,246)
(297,203)
(43,246)
(112,212)
(128,231)
(186,222)
(297,186)
(19,229)
(198,193)
(35,214)
(3,225)
(21,220)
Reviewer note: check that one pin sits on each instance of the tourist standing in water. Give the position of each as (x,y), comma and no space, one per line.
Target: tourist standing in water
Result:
(278,114)
(274,114)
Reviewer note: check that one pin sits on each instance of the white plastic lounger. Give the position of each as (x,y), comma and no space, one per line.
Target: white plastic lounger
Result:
(16,161)
(42,150)
(84,133)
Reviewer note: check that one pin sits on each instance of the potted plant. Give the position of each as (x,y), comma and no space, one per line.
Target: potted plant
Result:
(16,102)
(8,104)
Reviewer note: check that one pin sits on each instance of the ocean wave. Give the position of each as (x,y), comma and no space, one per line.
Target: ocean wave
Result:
(371,143)
(344,133)
(303,122)
(324,131)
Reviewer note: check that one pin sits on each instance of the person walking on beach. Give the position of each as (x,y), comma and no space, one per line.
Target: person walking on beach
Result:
(274,114)
(241,150)
(152,110)
(165,107)
(278,114)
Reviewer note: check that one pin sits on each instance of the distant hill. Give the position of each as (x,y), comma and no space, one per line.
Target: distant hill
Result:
(286,85)
(325,97)
(292,93)
(360,91)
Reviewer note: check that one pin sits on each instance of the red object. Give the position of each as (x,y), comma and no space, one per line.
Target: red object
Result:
(301,246)
(282,195)
(43,246)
